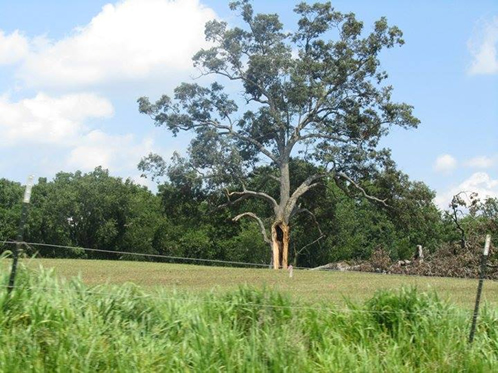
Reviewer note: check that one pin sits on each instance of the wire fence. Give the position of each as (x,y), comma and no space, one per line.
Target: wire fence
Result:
(205,300)
(145,255)
(199,299)
(240,264)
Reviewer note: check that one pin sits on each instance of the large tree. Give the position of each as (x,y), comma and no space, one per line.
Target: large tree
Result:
(315,93)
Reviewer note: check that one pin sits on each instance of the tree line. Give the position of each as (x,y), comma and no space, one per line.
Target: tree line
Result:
(184,218)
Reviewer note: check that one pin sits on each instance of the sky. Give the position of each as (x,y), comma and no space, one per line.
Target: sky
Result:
(71,72)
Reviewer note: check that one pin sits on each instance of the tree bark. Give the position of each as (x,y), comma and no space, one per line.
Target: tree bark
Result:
(280,244)
(285,245)
(275,247)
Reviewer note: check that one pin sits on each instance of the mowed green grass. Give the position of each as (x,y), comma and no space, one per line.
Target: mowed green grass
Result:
(310,287)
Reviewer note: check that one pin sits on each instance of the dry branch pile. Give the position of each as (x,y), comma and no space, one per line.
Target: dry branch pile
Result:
(449,261)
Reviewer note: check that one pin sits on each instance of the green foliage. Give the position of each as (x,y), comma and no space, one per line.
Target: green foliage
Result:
(247,245)
(53,325)
(93,210)
(354,227)
(470,219)
(97,210)
(10,208)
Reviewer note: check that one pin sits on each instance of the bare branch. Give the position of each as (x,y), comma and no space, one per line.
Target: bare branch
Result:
(231,132)
(300,210)
(307,185)
(260,222)
(365,194)
(322,235)
(302,189)
(231,203)
(308,245)
(457,201)
(251,193)
(245,194)
(275,178)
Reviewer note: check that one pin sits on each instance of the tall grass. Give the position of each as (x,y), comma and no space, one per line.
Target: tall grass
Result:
(52,325)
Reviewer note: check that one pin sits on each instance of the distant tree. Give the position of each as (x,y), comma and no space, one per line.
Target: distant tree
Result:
(11,194)
(94,210)
(473,216)
(489,211)
(197,230)
(315,93)
(411,210)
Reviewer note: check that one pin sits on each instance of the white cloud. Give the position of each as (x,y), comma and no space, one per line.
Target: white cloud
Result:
(130,41)
(481,162)
(52,134)
(479,182)
(445,164)
(13,48)
(49,120)
(117,152)
(484,49)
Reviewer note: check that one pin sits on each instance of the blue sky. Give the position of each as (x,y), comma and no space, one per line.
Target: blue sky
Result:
(71,71)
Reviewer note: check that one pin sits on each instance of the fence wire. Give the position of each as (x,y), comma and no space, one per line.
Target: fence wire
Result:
(243,304)
(145,255)
(165,298)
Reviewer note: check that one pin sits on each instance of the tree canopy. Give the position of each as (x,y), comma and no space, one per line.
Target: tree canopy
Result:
(317,93)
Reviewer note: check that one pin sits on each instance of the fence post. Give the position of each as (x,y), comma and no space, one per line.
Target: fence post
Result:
(479,287)
(20,233)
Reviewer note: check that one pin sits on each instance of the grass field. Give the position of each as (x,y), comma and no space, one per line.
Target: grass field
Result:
(305,286)
(48,324)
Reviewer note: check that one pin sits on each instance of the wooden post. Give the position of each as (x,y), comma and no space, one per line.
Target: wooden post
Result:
(20,234)
(479,287)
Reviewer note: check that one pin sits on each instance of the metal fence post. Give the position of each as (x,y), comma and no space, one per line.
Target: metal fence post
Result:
(479,287)
(20,233)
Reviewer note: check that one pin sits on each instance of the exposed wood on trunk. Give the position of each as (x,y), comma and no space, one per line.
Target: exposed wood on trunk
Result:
(285,245)
(280,244)
(275,247)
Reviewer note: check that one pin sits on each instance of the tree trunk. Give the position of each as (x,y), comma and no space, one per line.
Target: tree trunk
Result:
(276,249)
(280,228)
(280,244)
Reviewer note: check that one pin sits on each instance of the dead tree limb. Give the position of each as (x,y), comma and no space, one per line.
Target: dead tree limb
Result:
(357,186)
(300,210)
(260,222)
(456,202)
(322,235)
